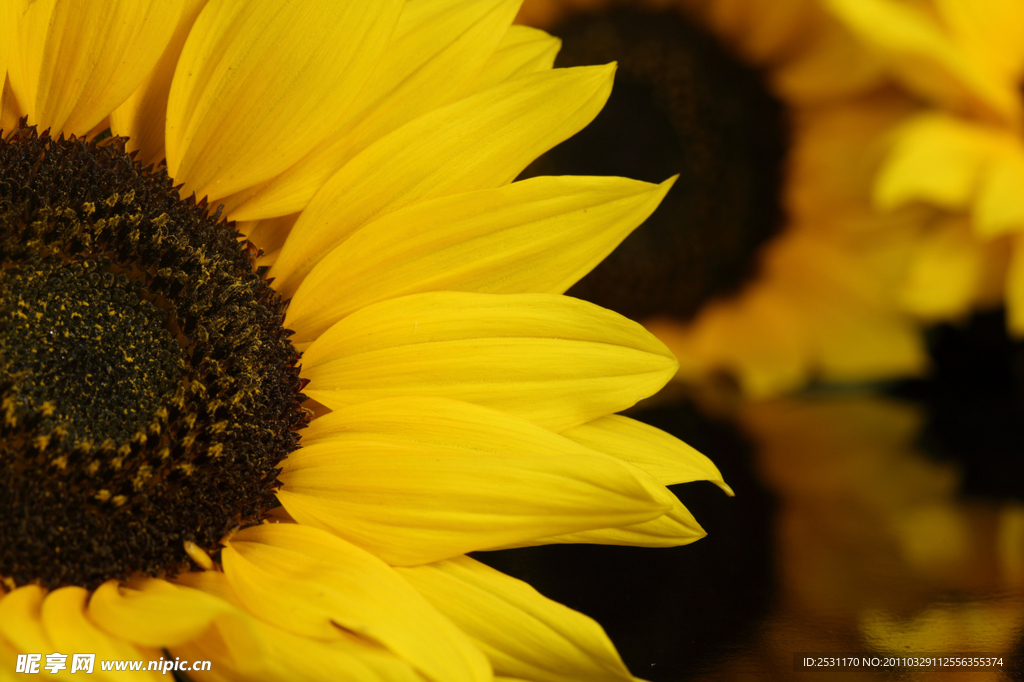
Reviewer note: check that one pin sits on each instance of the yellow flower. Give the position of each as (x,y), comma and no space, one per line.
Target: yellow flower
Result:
(960,150)
(151,358)
(823,300)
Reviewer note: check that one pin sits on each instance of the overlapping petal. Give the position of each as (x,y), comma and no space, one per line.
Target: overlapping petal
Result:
(235,87)
(71,62)
(539,235)
(478,142)
(552,643)
(573,360)
(415,480)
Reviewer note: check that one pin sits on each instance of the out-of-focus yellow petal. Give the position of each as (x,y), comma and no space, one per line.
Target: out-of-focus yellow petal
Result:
(663,456)
(311,583)
(990,31)
(940,159)
(439,47)
(1000,205)
(415,480)
(70,630)
(925,58)
(523,51)
(242,109)
(478,142)
(154,612)
(21,619)
(242,647)
(142,117)
(539,235)
(72,62)
(573,361)
(549,643)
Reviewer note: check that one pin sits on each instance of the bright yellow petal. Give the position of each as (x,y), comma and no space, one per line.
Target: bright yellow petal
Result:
(415,480)
(72,62)
(309,582)
(242,647)
(142,117)
(539,235)
(988,30)
(479,142)
(523,633)
(242,109)
(21,619)
(925,58)
(439,47)
(154,612)
(70,631)
(940,159)
(663,456)
(523,51)
(1000,205)
(573,361)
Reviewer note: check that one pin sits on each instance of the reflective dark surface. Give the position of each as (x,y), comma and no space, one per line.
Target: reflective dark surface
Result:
(844,537)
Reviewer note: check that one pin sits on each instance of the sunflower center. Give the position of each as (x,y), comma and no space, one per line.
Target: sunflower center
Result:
(681,104)
(84,350)
(147,388)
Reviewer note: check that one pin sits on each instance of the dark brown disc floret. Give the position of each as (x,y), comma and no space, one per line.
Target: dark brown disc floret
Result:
(148,390)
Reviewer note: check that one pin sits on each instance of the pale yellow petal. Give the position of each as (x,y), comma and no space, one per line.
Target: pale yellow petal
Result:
(142,117)
(573,361)
(415,480)
(663,456)
(72,62)
(927,60)
(70,631)
(940,159)
(311,583)
(551,643)
(261,82)
(242,647)
(478,142)
(439,47)
(1000,205)
(539,235)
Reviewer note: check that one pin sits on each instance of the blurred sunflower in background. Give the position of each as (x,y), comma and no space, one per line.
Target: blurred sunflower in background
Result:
(959,150)
(157,360)
(769,262)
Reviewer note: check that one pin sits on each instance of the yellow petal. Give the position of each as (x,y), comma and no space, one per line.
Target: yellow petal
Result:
(551,643)
(663,456)
(439,47)
(242,647)
(143,116)
(539,235)
(571,361)
(154,612)
(674,528)
(309,582)
(1015,289)
(478,142)
(70,631)
(522,51)
(72,62)
(415,480)
(1000,206)
(937,158)
(925,58)
(261,82)
(21,624)
(989,31)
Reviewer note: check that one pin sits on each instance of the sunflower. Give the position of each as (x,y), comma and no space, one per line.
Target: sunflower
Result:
(960,150)
(270,443)
(772,266)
